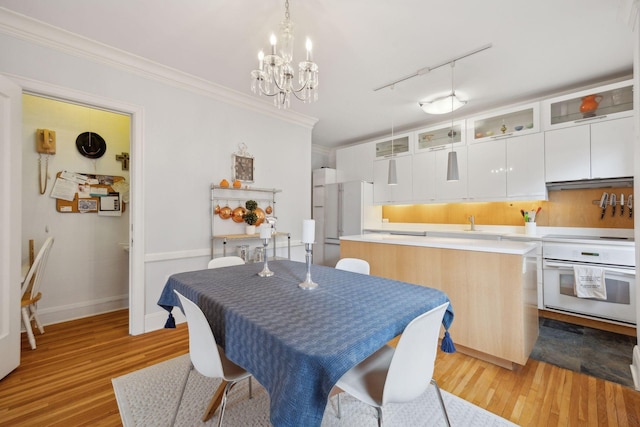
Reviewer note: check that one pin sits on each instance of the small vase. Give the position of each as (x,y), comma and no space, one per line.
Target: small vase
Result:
(250,229)
(590,105)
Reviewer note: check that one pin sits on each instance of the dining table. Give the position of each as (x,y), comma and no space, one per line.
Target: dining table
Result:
(298,342)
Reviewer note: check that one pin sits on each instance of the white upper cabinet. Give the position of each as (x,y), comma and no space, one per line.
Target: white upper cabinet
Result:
(383,193)
(612,148)
(424,176)
(355,163)
(441,136)
(590,151)
(399,145)
(525,167)
(589,134)
(511,168)
(607,102)
(505,123)
(486,167)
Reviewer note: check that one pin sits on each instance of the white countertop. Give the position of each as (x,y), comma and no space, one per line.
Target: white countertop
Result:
(474,244)
(495,232)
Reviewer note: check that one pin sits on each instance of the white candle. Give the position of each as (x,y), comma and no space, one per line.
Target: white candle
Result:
(308,46)
(272,40)
(308,231)
(265,231)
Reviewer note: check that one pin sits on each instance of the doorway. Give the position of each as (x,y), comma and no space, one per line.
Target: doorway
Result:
(136,212)
(88,270)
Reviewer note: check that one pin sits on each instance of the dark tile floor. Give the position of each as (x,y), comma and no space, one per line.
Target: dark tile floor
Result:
(594,352)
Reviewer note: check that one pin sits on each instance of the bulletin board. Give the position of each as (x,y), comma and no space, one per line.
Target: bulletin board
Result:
(105,186)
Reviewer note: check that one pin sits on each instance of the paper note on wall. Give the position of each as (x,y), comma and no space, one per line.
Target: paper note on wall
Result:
(65,190)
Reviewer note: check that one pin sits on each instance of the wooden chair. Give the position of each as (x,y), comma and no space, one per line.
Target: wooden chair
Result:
(31,291)
(353,264)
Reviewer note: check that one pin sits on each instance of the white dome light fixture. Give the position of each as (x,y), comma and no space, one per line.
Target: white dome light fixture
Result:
(442,105)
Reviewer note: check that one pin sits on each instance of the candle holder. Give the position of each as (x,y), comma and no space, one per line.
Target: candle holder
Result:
(308,283)
(265,270)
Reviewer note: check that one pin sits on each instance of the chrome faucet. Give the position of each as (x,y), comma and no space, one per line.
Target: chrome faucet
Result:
(472,220)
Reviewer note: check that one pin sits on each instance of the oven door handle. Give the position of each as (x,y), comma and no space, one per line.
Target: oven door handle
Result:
(631,273)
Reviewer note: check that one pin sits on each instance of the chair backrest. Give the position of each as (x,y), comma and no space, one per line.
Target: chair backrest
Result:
(412,365)
(31,284)
(225,261)
(203,349)
(353,264)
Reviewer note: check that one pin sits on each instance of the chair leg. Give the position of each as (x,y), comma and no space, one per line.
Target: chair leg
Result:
(339,411)
(34,315)
(27,326)
(250,389)
(379,410)
(444,409)
(223,404)
(184,386)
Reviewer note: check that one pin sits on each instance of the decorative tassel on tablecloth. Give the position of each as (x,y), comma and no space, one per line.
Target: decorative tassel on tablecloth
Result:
(171,321)
(447,344)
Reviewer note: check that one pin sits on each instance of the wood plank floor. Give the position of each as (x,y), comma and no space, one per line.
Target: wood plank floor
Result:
(66,381)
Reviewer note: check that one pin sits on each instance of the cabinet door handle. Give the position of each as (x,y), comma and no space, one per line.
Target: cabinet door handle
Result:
(588,119)
(504,135)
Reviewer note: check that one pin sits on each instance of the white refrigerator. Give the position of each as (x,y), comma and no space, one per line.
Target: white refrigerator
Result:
(348,210)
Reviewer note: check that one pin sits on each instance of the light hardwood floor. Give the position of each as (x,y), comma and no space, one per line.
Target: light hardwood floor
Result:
(66,381)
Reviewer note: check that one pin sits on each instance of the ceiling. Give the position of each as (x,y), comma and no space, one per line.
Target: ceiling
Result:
(538,48)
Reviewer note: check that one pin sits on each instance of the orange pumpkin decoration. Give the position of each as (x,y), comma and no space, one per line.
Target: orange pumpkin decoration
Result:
(237,184)
(224,183)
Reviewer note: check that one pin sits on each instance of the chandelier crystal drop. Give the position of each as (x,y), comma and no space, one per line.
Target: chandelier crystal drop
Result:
(275,74)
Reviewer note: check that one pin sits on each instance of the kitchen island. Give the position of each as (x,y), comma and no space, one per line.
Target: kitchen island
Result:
(491,285)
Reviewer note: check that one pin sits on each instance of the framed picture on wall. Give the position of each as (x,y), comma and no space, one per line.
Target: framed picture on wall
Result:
(242,165)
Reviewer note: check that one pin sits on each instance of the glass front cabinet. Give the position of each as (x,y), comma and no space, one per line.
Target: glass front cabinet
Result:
(441,136)
(507,123)
(608,102)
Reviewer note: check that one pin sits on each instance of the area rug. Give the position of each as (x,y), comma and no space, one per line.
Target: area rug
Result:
(601,354)
(149,397)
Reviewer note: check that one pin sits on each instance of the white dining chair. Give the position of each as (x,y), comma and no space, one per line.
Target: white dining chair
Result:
(399,375)
(353,264)
(225,261)
(208,358)
(30,290)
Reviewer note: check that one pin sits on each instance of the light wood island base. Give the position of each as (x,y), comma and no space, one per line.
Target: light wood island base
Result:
(494,295)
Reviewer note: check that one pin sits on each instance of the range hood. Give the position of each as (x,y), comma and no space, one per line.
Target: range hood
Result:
(591,183)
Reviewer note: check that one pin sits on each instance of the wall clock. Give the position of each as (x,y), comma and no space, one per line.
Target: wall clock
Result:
(91,145)
(242,165)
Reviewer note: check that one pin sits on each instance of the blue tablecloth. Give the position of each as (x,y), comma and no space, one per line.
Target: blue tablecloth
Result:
(297,343)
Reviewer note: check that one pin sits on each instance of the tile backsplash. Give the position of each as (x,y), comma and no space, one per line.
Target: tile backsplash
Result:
(565,208)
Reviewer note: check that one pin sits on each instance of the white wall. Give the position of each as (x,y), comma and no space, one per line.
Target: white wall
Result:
(89,243)
(189,132)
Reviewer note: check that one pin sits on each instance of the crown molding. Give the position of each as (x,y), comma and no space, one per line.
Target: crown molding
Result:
(43,34)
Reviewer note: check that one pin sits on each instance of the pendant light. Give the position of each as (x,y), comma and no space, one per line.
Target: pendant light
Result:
(452,158)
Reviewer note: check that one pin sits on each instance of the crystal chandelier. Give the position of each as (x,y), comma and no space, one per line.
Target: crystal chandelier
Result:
(275,75)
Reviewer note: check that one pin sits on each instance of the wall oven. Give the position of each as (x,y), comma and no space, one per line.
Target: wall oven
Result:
(616,257)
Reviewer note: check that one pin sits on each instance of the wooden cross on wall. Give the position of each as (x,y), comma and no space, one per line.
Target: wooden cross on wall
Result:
(124,158)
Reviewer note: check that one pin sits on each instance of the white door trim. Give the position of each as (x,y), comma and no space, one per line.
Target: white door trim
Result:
(10,228)
(136,214)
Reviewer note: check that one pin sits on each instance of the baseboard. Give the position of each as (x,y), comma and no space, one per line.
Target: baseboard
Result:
(591,323)
(65,313)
